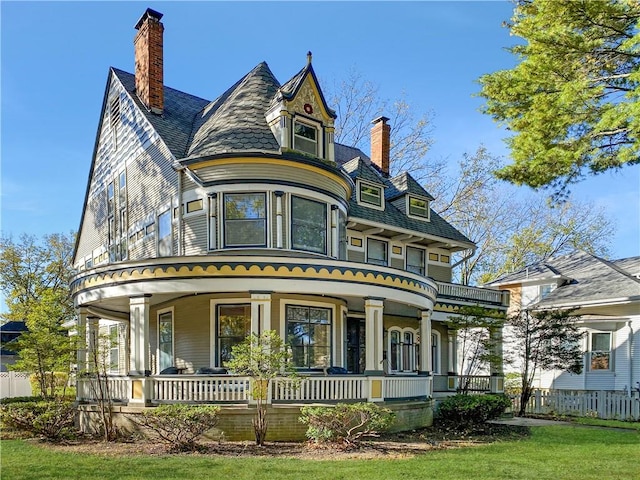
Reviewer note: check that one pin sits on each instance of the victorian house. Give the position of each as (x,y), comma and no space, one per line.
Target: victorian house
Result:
(206,220)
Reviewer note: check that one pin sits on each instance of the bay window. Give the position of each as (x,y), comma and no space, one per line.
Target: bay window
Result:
(234,325)
(309,336)
(245,220)
(308,225)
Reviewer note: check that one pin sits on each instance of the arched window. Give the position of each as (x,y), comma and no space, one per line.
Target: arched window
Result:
(402,349)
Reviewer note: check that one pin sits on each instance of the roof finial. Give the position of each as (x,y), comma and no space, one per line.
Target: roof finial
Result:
(309,55)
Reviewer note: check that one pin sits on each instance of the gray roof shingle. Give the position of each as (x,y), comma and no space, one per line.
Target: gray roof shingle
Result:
(235,121)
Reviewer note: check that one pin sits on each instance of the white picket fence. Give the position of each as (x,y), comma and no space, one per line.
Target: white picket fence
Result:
(601,404)
(14,384)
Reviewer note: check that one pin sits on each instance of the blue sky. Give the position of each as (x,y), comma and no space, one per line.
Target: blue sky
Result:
(55,58)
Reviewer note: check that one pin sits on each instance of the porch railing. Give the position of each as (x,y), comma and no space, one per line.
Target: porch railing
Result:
(468,383)
(183,388)
(311,389)
(484,295)
(89,389)
(230,388)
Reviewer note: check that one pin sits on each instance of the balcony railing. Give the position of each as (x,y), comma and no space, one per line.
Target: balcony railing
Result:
(475,294)
(468,383)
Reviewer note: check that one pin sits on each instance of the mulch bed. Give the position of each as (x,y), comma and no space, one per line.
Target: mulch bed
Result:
(398,445)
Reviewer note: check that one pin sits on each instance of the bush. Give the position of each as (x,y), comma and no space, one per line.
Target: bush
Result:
(178,426)
(465,412)
(49,419)
(345,423)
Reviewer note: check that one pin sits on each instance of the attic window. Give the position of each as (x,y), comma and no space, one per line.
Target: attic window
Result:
(418,207)
(370,194)
(305,138)
(114,119)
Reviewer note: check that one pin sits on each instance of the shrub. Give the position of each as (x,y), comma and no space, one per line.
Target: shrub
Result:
(345,423)
(49,419)
(178,426)
(464,412)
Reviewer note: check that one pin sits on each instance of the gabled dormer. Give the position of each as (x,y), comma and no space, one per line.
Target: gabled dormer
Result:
(300,118)
(409,197)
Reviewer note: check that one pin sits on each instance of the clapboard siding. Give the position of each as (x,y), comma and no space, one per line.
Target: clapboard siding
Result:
(271,173)
(192,333)
(129,144)
(195,235)
(440,273)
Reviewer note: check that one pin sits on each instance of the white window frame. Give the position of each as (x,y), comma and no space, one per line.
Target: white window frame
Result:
(223,223)
(114,345)
(424,259)
(309,303)
(386,264)
(427,216)
(361,201)
(327,222)
(541,290)
(592,351)
(159,238)
(159,314)
(413,357)
(436,352)
(331,311)
(312,125)
(217,360)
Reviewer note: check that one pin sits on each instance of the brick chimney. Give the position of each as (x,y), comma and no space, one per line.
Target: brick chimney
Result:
(381,144)
(149,69)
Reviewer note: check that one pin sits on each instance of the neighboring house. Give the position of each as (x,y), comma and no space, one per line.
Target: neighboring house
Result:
(606,294)
(8,332)
(206,220)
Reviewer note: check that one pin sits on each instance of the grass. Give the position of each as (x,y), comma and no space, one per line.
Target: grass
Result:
(599,422)
(565,452)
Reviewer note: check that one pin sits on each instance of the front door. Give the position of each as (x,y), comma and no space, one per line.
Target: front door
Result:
(355,345)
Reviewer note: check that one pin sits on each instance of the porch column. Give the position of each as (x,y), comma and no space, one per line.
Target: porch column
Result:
(81,353)
(425,343)
(452,341)
(373,310)
(279,228)
(139,335)
(260,312)
(497,371)
(92,344)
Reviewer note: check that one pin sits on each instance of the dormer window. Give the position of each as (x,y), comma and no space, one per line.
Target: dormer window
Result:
(370,194)
(305,138)
(418,207)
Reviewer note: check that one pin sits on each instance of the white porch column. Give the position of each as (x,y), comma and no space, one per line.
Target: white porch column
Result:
(497,371)
(92,344)
(279,224)
(260,312)
(425,343)
(81,354)
(373,311)
(139,363)
(452,350)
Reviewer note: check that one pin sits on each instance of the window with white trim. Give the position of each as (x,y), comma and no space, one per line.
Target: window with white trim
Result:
(370,194)
(309,335)
(308,225)
(165,340)
(402,349)
(245,220)
(233,326)
(305,138)
(377,252)
(165,247)
(545,290)
(114,350)
(600,354)
(415,260)
(435,352)
(418,207)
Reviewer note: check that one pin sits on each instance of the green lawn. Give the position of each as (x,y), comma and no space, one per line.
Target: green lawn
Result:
(563,452)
